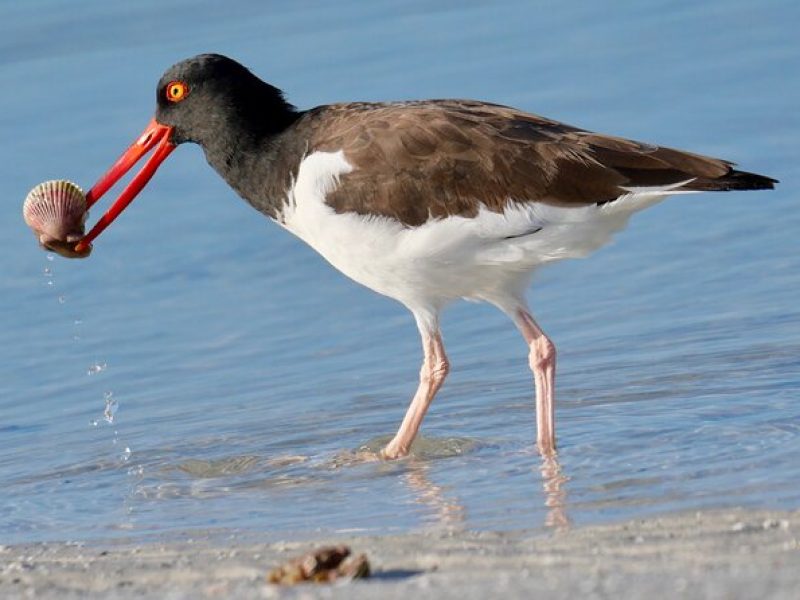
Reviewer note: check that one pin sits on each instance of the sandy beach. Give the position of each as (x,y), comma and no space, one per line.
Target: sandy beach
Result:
(713,554)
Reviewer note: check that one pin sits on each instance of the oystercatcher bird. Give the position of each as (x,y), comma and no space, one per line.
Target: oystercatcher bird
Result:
(425,202)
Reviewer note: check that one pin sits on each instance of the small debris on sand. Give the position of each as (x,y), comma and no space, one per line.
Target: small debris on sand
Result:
(324,565)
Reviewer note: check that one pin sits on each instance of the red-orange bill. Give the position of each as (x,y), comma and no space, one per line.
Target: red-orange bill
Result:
(155,136)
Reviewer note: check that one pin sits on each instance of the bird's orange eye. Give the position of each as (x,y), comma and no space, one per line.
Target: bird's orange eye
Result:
(177,91)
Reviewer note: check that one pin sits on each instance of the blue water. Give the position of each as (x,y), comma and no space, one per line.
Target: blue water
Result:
(243,368)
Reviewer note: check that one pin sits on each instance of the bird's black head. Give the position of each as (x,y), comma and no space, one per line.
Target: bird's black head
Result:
(209,99)
(211,96)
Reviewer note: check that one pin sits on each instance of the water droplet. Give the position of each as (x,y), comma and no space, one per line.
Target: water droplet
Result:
(111,407)
(96,368)
(78,322)
(50,282)
(94,422)
(51,257)
(48,272)
(126,454)
(62,299)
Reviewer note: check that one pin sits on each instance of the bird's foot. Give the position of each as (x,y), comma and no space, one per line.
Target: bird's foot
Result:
(393,451)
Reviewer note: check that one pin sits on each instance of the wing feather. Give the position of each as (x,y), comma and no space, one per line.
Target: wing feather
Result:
(415,161)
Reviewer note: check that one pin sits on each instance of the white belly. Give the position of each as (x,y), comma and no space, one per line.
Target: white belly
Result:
(445,259)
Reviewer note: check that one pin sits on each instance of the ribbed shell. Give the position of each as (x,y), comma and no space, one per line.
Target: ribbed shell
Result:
(56,211)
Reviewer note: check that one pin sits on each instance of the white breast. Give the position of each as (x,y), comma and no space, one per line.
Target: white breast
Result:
(487,257)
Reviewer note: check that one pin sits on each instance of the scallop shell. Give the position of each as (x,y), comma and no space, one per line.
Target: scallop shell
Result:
(56,211)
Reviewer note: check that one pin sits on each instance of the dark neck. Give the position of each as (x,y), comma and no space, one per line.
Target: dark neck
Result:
(254,150)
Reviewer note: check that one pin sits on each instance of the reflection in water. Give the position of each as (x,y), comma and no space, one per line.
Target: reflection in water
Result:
(231,476)
(448,510)
(445,509)
(555,492)
(451,513)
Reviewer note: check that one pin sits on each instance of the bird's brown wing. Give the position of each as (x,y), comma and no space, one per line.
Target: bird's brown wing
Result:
(418,160)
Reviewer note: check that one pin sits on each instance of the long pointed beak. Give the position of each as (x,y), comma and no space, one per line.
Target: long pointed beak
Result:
(155,136)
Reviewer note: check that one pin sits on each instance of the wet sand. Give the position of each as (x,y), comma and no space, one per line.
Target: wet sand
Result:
(713,554)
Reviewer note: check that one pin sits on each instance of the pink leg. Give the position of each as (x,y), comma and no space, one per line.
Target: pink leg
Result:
(431,376)
(542,360)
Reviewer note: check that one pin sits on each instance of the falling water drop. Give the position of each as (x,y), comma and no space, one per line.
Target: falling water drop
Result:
(111,407)
(48,274)
(136,471)
(96,368)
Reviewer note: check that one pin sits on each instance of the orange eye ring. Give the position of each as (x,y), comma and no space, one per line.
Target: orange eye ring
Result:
(176,91)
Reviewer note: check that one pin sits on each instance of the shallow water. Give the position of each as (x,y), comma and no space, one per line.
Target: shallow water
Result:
(204,369)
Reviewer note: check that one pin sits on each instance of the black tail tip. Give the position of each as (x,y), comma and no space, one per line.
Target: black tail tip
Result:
(732,180)
(742,180)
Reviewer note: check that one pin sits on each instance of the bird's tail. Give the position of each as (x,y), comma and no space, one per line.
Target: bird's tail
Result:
(732,180)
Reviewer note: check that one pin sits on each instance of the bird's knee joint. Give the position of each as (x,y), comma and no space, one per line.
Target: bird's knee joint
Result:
(435,372)
(440,370)
(542,353)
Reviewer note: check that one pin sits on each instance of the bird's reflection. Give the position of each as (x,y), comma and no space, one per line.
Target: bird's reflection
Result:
(446,509)
(555,492)
(450,513)
(443,505)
